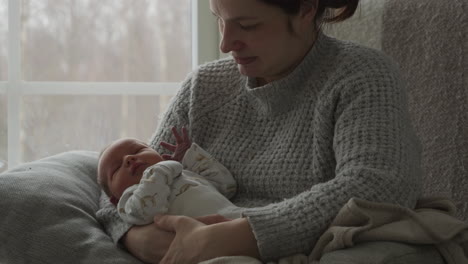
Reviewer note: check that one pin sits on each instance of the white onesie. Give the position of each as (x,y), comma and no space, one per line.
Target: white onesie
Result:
(198,186)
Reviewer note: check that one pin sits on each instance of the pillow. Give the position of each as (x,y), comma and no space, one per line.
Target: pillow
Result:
(48,213)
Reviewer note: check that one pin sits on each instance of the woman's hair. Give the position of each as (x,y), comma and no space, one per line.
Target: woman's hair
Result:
(329,11)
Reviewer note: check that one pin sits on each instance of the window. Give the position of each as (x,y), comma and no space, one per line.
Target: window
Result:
(3,132)
(3,77)
(84,73)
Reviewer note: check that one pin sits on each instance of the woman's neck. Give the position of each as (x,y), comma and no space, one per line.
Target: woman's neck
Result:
(309,43)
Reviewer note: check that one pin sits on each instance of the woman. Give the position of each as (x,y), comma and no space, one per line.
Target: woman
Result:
(304,122)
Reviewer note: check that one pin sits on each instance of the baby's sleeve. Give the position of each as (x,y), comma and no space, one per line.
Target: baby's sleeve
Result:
(199,161)
(141,202)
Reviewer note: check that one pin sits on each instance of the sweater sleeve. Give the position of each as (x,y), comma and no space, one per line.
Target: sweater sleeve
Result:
(176,115)
(376,157)
(109,218)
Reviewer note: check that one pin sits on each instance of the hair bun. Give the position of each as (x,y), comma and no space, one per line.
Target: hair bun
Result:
(334,3)
(336,10)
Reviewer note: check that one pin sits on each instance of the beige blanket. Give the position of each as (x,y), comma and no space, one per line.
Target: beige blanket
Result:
(431,223)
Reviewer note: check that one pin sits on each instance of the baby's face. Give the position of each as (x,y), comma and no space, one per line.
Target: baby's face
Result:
(122,164)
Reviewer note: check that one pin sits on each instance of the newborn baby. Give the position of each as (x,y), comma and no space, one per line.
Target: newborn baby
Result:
(141,183)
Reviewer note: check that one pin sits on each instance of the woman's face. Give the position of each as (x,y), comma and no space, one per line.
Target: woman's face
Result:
(265,42)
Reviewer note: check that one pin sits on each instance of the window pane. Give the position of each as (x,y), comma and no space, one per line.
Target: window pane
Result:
(3,40)
(53,124)
(3,132)
(106,40)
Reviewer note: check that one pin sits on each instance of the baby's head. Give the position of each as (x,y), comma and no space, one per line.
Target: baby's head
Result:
(122,164)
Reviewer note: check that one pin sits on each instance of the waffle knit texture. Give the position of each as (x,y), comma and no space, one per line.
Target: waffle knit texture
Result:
(299,148)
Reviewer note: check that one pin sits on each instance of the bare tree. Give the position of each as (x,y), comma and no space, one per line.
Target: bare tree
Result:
(3,39)
(103,40)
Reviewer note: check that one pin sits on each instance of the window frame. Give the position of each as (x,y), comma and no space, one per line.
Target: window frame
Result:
(204,48)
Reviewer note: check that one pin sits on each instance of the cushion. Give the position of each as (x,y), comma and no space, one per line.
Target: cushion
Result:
(428,41)
(426,37)
(48,213)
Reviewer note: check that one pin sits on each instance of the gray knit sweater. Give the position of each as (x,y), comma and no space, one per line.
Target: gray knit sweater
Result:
(299,148)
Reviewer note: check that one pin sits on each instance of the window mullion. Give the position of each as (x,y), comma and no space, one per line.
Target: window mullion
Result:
(3,87)
(100,88)
(13,85)
(204,34)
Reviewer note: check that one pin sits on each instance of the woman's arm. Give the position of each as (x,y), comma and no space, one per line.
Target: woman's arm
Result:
(195,242)
(373,155)
(150,243)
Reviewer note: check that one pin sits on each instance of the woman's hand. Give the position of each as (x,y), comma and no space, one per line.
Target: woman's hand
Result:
(195,242)
(148,243)
(209,219)
(183,143)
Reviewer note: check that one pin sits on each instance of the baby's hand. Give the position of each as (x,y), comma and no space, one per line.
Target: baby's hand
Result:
(183,143)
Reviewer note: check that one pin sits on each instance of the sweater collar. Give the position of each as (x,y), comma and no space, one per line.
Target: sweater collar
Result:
(279,96)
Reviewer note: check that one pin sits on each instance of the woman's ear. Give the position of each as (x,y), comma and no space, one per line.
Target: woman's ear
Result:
(114,200)
(309,9)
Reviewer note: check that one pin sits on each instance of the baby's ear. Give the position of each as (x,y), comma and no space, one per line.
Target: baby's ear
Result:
(114,200)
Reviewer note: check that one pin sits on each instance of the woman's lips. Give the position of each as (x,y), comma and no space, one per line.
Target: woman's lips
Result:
(244,60)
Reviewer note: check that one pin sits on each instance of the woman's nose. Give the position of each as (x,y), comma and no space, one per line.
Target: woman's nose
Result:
(230,41)
(227,47)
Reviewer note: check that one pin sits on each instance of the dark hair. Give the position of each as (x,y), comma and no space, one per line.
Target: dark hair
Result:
(329,11)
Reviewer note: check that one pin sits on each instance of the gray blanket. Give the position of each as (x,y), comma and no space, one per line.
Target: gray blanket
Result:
(48,213)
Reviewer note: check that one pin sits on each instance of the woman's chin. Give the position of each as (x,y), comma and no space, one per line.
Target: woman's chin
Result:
(248,71)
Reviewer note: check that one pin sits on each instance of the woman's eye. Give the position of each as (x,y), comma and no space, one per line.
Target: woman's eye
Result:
(248,27)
